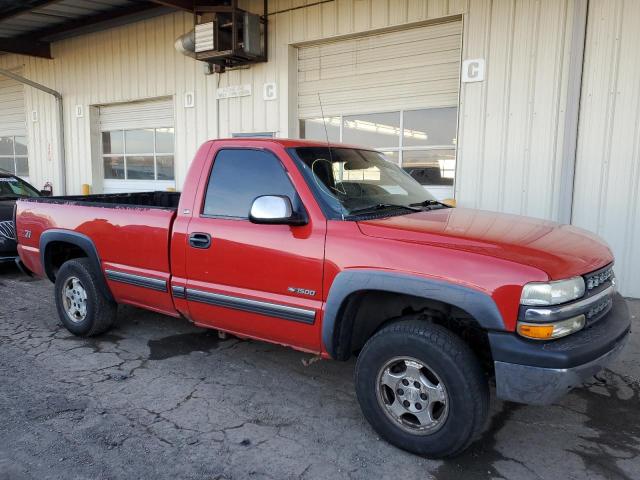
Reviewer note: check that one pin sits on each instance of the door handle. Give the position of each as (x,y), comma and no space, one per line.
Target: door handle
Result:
(200,240)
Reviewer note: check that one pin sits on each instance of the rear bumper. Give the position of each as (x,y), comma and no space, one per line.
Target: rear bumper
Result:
(539,373)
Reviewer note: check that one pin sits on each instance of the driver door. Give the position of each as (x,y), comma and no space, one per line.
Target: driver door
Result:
(263,281)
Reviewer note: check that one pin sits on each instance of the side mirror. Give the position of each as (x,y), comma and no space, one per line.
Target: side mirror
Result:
(275,210)
(45,193)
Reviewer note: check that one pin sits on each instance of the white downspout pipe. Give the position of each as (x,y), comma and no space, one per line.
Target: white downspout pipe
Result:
(58,97)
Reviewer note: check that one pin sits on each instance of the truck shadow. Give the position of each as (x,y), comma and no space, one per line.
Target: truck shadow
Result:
(611,408)
(183,344)
(614,417)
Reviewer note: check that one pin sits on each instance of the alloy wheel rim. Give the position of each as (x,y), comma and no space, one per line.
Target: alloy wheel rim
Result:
(74,299)
(412,395)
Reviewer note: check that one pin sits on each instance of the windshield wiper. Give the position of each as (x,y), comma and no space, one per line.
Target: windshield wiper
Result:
(429,203)
(381,206)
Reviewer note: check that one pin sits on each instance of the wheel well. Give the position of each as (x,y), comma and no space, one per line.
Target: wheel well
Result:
(57,253)
(364,313)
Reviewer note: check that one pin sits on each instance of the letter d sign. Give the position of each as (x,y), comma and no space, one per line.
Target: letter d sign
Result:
(473,70)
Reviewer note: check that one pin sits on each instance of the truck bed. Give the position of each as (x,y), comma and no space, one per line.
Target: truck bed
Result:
(165,200)
(130,231)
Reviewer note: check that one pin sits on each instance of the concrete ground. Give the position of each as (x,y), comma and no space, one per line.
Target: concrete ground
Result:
(159,398)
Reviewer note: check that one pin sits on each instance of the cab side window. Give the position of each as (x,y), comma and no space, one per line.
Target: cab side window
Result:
(239,176)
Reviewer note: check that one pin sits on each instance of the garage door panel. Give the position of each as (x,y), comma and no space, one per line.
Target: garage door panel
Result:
(381,105)
(416,67)
(12,112)
(404,90)
(406,36)
(153,113)
(401,54)
(443,71)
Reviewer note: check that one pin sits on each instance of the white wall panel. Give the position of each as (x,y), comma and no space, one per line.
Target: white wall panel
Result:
(607,181)
(512,124)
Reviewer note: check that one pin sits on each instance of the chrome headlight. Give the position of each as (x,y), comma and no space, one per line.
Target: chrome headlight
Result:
(552,293)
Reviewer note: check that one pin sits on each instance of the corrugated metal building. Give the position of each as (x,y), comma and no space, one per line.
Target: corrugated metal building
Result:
(522,106)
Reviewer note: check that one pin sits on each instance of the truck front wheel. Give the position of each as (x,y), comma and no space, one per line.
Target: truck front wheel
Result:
(422,389)
(82,307)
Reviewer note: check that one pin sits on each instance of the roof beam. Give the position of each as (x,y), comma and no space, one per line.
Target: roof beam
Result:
(32,48)
(90,22)
(187,5)
(24,7)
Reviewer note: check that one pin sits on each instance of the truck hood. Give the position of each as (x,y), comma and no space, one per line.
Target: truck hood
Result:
(559,250)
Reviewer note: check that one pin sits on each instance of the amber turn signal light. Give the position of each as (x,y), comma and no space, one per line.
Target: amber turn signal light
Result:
(548,331)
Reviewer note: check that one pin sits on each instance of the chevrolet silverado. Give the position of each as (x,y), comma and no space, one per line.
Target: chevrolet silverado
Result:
(333,250)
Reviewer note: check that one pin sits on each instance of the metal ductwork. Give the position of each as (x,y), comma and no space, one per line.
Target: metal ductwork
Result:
(186,44)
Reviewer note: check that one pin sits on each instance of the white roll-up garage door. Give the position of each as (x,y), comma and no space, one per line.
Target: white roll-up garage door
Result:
(410,68)
(137,144)
(395,91)
(13,127)
(13,119)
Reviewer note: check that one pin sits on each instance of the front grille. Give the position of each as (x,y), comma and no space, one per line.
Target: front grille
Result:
(599,310)
(600,277)
(8,230)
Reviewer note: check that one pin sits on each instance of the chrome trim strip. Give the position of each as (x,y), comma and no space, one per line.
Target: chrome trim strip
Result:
(254,306)
(178,291)
(137,280)
(547,314)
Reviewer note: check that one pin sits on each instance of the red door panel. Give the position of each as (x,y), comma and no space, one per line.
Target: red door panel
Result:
(262,281)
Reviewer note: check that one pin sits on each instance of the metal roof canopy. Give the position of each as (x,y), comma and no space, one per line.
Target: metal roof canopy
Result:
(28,27)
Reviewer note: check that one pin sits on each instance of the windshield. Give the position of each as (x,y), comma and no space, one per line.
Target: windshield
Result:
(13,187)
(353,181)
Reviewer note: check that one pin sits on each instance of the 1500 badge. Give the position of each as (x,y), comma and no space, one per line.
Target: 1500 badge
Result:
(302,291)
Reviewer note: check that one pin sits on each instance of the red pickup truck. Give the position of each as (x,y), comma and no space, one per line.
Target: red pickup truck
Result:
(333,250)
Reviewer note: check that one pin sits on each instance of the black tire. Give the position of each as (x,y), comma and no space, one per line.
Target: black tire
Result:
(455,365)
(100,313)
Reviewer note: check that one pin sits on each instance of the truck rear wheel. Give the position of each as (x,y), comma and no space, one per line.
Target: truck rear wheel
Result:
(82,307)
(422,389)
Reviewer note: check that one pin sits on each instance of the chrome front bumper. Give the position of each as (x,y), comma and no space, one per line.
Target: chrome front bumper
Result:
(543,386)
(538,373)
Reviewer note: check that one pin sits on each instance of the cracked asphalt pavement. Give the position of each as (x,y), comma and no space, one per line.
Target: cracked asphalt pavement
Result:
(158,398)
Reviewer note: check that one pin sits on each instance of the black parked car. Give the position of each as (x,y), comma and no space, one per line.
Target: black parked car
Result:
(11,188)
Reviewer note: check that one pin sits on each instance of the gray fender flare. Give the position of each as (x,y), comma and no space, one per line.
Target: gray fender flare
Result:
(476,303)
(82,242)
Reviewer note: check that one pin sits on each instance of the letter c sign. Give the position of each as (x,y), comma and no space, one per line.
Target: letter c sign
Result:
(270,91)
(473,70)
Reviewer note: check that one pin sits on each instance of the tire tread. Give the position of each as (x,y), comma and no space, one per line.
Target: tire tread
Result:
(455,348)
(104,310)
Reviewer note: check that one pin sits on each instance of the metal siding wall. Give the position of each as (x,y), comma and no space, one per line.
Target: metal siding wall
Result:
(607,180)
(511,125)
(506,141)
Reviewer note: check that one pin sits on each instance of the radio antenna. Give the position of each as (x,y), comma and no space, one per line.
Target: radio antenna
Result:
(326,131)
(326,134)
